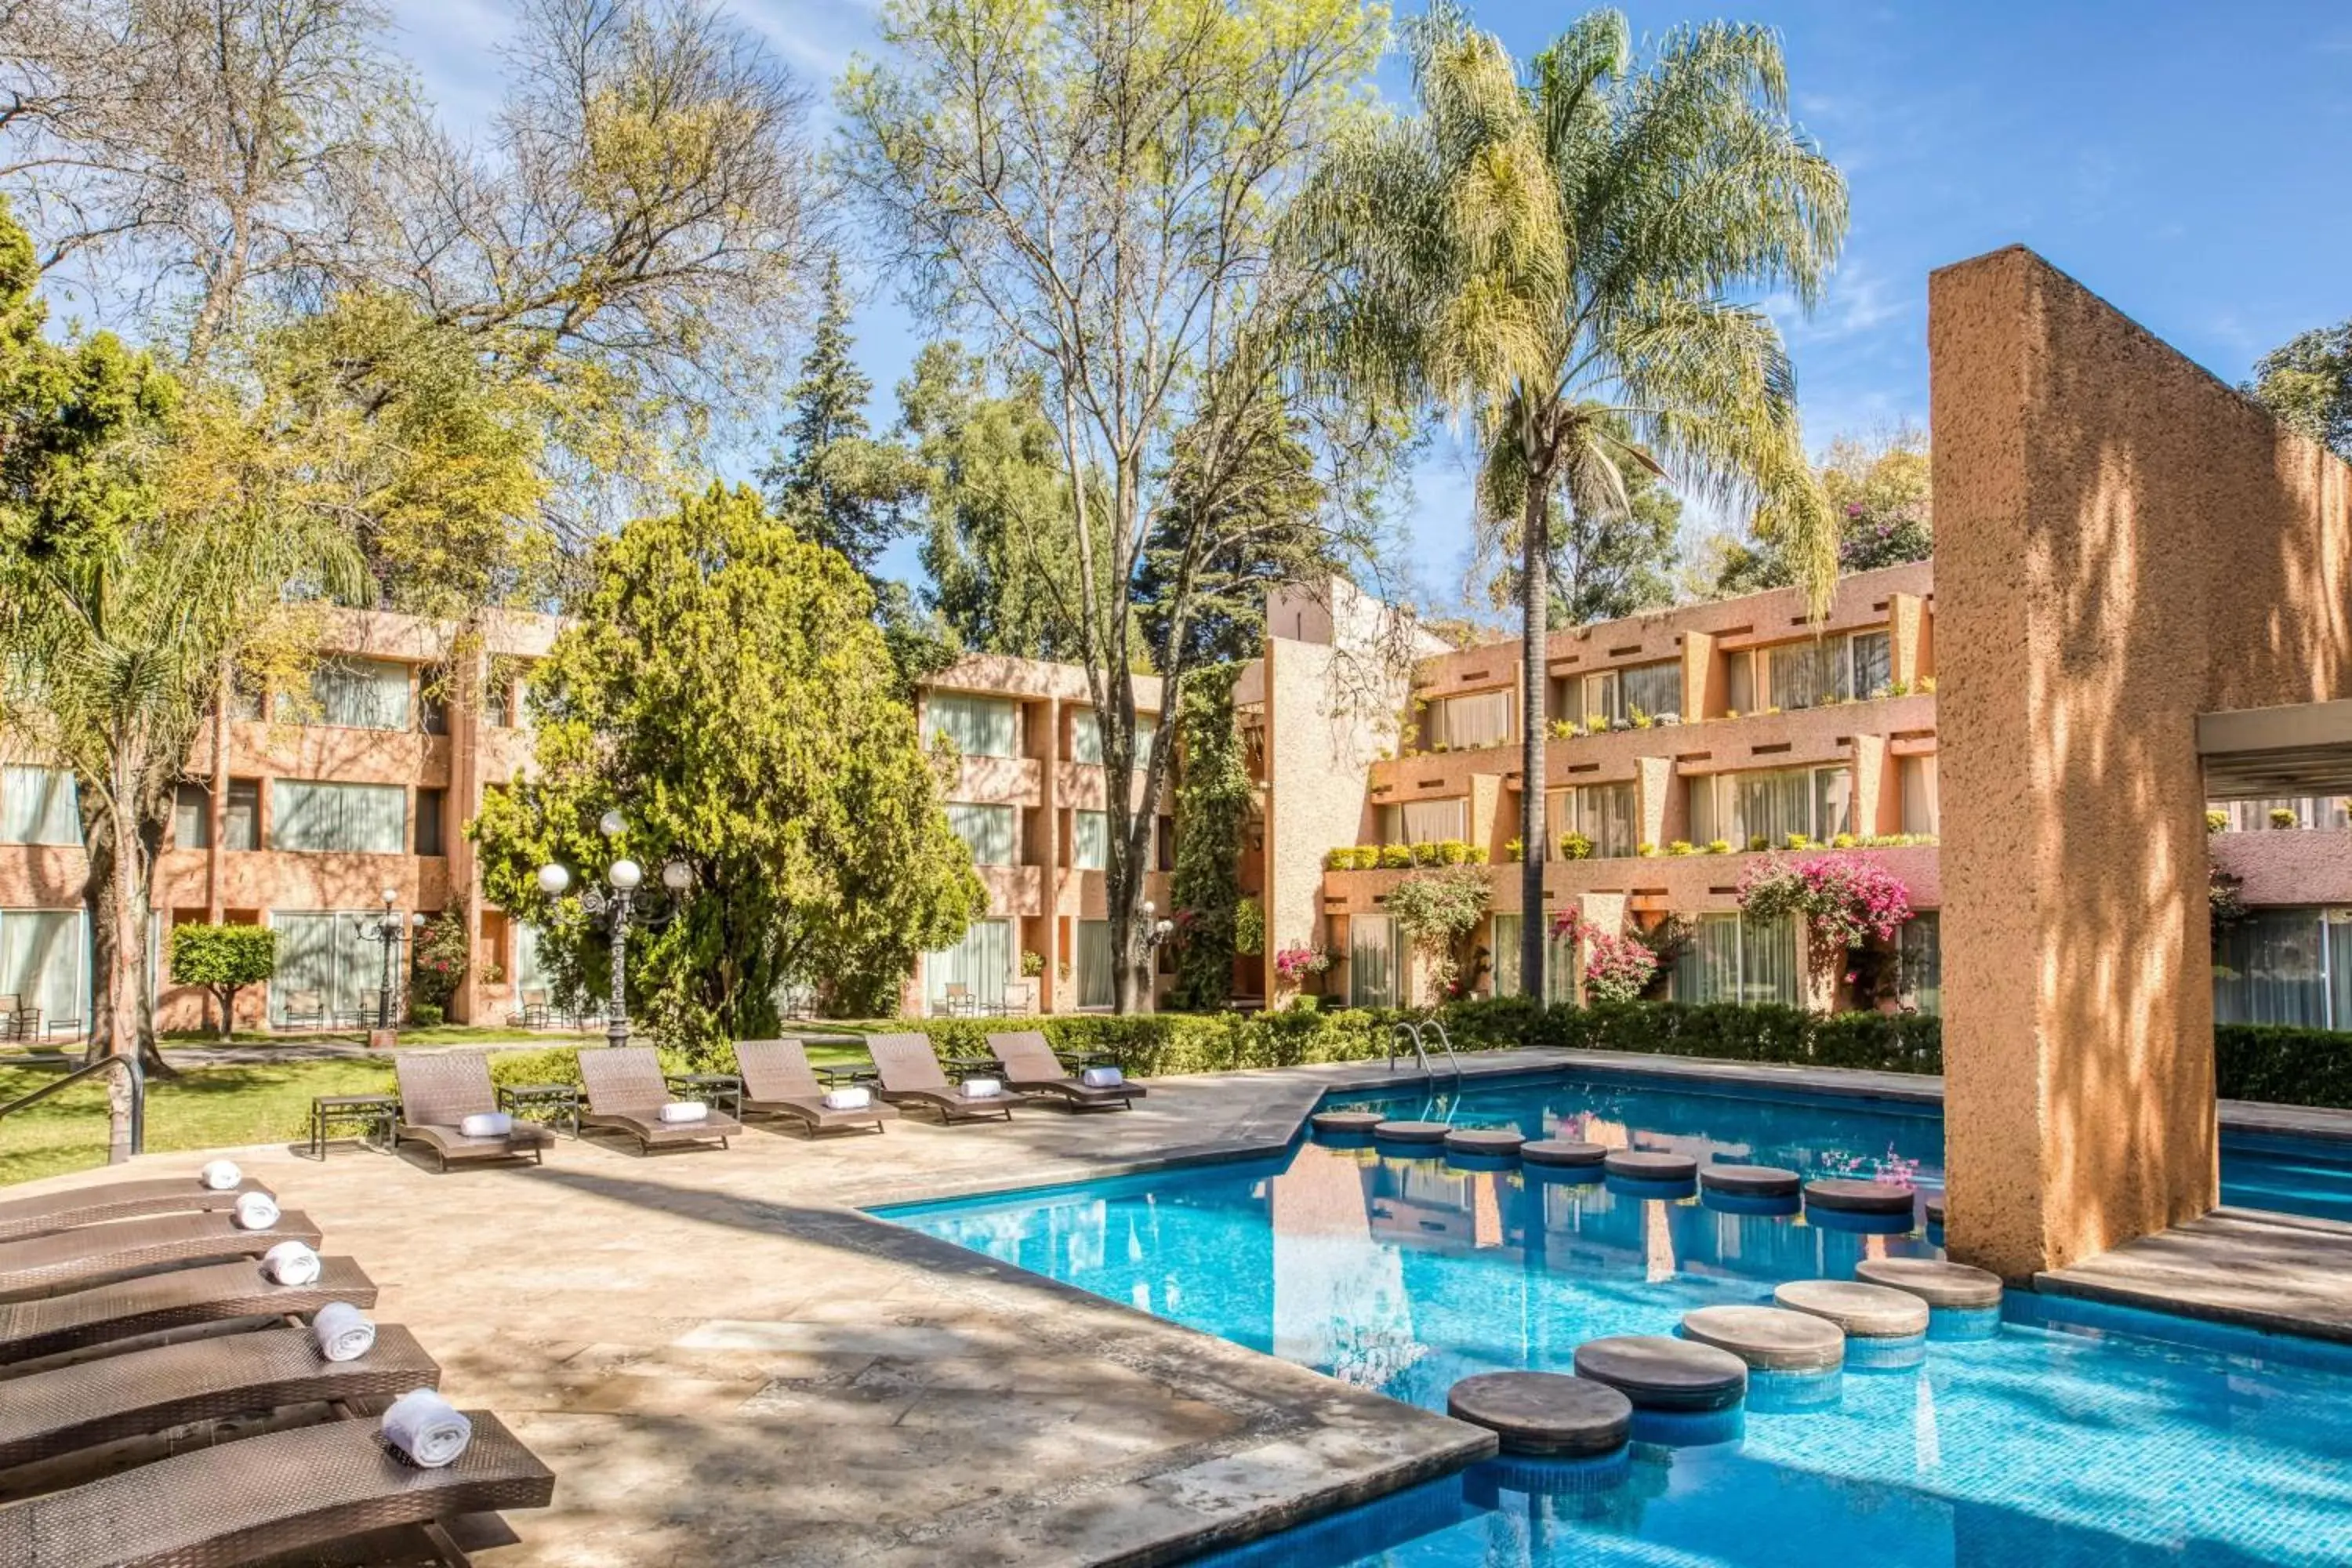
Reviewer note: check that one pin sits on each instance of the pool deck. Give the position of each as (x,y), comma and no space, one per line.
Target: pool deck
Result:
(726,1362)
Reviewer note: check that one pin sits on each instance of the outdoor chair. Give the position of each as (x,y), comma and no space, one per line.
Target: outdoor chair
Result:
(625,1094)
(779,1081)
(535,1011)
(93,1253)
(17,1021)
(304,1010)
(910,1074)
(216,1293)
(277,1494)
(1030,1066)
(60,1414)
(439,1091)
(38,1216)
(956,1000)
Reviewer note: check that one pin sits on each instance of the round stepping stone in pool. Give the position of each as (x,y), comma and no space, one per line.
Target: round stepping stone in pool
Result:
(1934,1281)
(1848,1196)
(1543,1412)
(1657,1372)
(1561,1152)
(1485,1140)
(1411,1131)
(1770,1339)
(1344,1121)
(1639,1165)
(1750,1180)
(1935,1211)
(1865,1311)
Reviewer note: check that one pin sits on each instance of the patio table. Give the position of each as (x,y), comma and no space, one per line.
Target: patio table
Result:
(561,1099)
(374,1113)
(710,1086)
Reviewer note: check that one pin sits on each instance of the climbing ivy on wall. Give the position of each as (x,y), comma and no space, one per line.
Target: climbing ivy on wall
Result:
(1212,807)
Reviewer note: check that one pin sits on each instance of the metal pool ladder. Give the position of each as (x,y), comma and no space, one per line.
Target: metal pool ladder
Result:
(1410,1033)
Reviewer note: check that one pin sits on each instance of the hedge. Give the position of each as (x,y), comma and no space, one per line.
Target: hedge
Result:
(2283,1065)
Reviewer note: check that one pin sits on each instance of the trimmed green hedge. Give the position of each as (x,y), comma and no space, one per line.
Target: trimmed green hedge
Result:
(2283,1065)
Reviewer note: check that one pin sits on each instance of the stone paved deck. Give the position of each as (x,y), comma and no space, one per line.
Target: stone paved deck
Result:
(2273,1271)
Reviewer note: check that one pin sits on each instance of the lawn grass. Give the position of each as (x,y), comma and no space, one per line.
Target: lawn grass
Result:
(436,1034)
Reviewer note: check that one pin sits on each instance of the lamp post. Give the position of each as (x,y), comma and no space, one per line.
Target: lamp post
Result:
(388,930)
(617,908)
(1156,933)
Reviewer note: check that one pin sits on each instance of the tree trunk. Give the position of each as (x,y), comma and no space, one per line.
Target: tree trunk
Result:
(1535,547)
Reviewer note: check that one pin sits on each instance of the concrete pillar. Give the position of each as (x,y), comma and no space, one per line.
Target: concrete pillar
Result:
(1653,801)
(1704,679)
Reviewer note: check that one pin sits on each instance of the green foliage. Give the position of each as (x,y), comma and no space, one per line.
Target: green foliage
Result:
(438,960)
(727,691)
(1396,856)
(223,960)
(2307,384)
(2283,1065)
(1435,912)
(1212,811)
(1575,845)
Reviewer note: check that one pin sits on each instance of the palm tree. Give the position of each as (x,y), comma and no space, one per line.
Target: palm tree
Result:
(1551,251)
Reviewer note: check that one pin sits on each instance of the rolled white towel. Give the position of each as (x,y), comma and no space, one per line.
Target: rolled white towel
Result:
(486,1125)
(427,1428)
(685,1110)
(343,1331)
(848,1099)
(290,1263)
(1102,1078)
(221,1176)
(256,1211)
(982,1088)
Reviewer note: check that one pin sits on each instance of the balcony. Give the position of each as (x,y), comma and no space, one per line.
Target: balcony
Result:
(999,781)
(282,879)
(326,751)
(1084,786)
(1679,884)
(1014,889)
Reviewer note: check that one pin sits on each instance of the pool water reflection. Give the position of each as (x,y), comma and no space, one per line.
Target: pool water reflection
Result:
(1402,1272)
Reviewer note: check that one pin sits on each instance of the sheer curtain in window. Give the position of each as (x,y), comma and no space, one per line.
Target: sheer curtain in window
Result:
(1434,821)
(1654,688)
(980,726)
(979,963)
(1095,981)
(1833,803)
(2272,968)
(1774,804)
(1767,961)
(1371,961)
(362,694)
(1807,674)
(1091,840)
(39,805)
(1873,663)
(1708,970)
(1562,962)
(1506,945)
(1921,972)
(987,829)
(1473,719)
(1609,818)
(41,954)
(1086,737)
(1707,819)
(1602,699)
(361,819)
(1917,777)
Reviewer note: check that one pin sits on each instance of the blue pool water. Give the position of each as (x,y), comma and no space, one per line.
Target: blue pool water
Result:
(2071,1435)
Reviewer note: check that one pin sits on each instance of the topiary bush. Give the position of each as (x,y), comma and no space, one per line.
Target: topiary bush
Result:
(2282,1064)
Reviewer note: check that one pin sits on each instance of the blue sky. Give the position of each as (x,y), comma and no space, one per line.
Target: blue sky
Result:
(2186,161)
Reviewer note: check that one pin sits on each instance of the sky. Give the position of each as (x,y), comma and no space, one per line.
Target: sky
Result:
(2186,161)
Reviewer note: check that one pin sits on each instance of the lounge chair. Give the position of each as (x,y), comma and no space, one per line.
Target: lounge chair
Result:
(58,1414)
(910,1074)
(625,1094)
(1030,1066)
(271,1495)
(218,1292)
(778,1081)
(94,1254)
(439,1091)
(304,1010)
(21,1217)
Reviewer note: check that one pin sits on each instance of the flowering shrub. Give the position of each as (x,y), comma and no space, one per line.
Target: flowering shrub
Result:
(1435,909)
(1294,965)
(1845,900)
(1616,968)
(1574,846)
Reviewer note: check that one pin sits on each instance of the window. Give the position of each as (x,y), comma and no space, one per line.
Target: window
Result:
(357,819)
(1807,674)
(1873,663)
(38,805)
(980,964)
(1740,694)
(1600,699)
(1425,821)
(361,694)
(1091,840)
(529,968)
(1371,961)
(498,701)
(1095,981)
(432,830)
(980,726)
(1473,719)
(433,701)
(1560,963)
(1504,940)
(1086,737)
(1916,778)
(326,953)
(241,816)
(1920,973)
(191,816)
(987,829)
(1734,959)
(1770,805)
(1606,813)
(1653,689)
(42,961)
(2285,966)
(2324,811)
(1163,837)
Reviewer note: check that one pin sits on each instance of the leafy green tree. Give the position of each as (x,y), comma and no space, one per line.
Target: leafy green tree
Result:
(1879,487)
(223,960)
(1551,251)
(726,690)
(1213,803)
(2307,384)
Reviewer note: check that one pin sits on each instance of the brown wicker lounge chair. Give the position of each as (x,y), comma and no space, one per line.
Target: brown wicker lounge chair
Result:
(267,1496)
(910,1075)
(439,1091)
(93,1253)
(21,1217)
(778,1081)
(220,1292)
(54,1414)
(1030,1066)
(625,1094)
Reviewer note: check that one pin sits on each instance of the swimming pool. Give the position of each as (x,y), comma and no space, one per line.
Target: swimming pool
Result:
(2074,1435)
